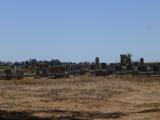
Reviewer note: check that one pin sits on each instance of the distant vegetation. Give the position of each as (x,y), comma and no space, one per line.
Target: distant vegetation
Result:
(30,62)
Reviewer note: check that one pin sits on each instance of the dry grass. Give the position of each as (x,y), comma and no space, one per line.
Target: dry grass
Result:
(82,97)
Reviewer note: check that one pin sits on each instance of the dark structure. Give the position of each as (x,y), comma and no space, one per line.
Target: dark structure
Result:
(10,74)
(56,69)
(125,59)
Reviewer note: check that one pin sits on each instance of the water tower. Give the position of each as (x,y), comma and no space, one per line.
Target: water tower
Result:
(97,63)
(141,61)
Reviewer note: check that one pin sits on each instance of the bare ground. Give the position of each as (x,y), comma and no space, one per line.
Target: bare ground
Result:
(81,98)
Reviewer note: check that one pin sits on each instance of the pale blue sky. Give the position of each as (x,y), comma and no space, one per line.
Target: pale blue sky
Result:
(79,30)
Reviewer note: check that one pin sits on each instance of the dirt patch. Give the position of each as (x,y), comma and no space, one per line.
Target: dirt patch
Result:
(60,115)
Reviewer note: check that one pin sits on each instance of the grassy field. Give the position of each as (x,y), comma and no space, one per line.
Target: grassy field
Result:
(81,98)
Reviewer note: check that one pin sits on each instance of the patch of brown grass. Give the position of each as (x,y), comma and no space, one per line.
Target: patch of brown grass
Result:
(125,94)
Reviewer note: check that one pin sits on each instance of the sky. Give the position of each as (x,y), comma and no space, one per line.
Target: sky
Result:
(79,30)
